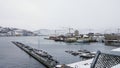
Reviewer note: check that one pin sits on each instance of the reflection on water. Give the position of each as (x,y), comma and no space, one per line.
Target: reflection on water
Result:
(12,57)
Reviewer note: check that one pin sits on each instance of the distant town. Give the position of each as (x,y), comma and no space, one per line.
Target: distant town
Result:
(6,31)
(68,36)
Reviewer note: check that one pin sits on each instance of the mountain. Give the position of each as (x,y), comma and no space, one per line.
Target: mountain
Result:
(8,31)
(49,32)
(44,32)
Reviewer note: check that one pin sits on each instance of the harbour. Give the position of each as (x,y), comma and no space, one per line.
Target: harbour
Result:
(59,34)
(50,46)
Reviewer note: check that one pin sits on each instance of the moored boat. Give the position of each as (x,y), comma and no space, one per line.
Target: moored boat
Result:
(112,39)
(70,40)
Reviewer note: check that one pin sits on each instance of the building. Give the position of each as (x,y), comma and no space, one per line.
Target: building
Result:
(76,33)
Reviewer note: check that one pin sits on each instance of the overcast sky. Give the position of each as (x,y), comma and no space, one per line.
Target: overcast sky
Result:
(52,14)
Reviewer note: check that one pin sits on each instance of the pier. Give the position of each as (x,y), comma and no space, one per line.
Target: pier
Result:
(41,56)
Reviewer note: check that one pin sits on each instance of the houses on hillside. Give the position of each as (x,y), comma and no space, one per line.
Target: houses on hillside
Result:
(5,31)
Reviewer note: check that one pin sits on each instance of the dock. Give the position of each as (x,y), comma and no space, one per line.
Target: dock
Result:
(41,56)
(82,53)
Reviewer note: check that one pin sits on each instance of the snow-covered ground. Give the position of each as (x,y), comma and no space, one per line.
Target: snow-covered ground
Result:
(87,63)
(81,64)
(117,49)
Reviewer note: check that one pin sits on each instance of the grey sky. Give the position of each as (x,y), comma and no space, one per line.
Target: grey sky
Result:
(51,14)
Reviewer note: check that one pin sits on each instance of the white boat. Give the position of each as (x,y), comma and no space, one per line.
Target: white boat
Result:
(86,39)
(83,39)
(70,39)
(87,55)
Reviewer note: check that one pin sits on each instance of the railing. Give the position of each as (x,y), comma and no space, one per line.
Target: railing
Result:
(103,60)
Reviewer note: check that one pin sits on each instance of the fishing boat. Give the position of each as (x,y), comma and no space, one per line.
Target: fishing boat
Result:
(83,39)
(70,40)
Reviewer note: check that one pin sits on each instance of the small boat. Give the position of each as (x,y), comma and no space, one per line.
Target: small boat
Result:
(84,51)
(47,38)
(75,53)
(87,55)
(69,52)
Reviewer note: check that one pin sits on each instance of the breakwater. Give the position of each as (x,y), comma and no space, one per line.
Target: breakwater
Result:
(41,56)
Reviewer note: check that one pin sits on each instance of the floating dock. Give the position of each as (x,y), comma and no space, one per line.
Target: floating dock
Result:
(41,56)
(82,53)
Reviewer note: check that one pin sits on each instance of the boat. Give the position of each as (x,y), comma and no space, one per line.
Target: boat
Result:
(112,39)
(84,51)
(87,55)
(75,53)
(82,40)
(70,40)
(60,38)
